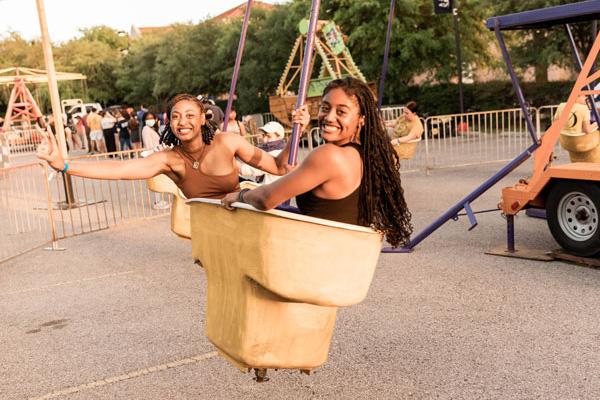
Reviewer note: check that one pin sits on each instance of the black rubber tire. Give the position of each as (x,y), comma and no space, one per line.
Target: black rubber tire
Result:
(589,247)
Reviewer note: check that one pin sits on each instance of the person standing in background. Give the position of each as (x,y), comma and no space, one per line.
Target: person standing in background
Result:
(150,136)
(108,130)
(123,128)
(233,125)
(135,129)
(96,135)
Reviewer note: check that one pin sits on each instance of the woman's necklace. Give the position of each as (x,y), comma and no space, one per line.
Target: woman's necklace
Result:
(195,162)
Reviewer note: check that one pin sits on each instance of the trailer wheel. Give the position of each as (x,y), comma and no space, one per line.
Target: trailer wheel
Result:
(572,214)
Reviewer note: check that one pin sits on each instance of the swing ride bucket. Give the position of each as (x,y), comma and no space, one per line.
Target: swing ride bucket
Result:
(276,279)
(581,147)
(407,150)
(180,211)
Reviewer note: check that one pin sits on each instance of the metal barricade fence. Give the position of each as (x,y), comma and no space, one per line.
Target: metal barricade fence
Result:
(86,205)
(391,113)
(475,138)
(23,141)
(543,118)
(267,117)
(38,205)
(26,217)
(464,139)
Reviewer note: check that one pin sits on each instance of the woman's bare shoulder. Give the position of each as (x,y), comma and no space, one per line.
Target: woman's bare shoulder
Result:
(332,154)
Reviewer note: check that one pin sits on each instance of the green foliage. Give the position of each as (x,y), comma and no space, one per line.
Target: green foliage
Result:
(422,42)
(18,52)
(496,95)
(115,40)
(98,61)
(540,48)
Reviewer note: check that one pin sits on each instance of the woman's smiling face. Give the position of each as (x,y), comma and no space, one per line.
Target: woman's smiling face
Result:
(186,120)
(339,117)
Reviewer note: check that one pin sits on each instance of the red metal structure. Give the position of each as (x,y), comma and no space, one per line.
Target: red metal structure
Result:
(21,106)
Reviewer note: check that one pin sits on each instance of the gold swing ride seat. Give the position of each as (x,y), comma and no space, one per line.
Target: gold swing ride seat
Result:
(407,150)
(582,147)
(180,211)
(276,279)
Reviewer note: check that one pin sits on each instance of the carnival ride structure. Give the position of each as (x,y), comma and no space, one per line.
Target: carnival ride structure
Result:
(22,110)
(570,194)
(22,107)
(336,62)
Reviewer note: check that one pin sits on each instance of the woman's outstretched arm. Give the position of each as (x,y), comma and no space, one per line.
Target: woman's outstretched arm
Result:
(139,168)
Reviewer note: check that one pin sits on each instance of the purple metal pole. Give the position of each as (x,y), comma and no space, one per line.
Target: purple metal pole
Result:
(510,233)
(515,82)
(485,186)
(238,61)
(454,210)
(386,54)
(304,77)
(579,64)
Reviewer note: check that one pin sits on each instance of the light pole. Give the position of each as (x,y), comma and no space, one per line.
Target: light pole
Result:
(52,85)
(458,57)
(54,97)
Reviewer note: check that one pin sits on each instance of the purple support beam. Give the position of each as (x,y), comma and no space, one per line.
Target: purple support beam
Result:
(238,61)
(515,82)
(304,77)
(485,186)
(579,64)
(510,233)
(454,210)
(386,54)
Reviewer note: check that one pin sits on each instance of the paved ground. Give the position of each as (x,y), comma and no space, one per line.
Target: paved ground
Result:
(119,315)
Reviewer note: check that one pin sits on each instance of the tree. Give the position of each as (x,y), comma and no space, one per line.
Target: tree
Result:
(18,52)
(422,43)
(136,77)
(541,48)
(97,61)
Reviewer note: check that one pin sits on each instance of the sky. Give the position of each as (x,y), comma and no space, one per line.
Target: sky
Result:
(66,17)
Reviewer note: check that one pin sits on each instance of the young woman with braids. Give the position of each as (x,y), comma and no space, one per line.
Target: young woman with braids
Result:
(200,163)
(354,178)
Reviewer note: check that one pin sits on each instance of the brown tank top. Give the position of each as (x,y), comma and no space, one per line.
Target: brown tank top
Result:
(198,184)
(340,210)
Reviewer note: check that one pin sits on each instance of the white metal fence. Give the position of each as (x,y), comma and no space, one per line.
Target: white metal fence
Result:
(26,218)
(468,139)
(22,141)
(39,206)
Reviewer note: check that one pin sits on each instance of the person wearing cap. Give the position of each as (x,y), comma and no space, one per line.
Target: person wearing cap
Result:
(274,142)
(408,126)
(233,125)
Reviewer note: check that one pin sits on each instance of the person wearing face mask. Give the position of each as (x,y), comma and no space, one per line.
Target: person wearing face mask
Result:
(150,136)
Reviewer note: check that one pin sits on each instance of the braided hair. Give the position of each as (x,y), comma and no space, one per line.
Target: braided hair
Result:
(208,129)
(381,203)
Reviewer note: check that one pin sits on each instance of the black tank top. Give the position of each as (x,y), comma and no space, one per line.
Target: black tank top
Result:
(340,210)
